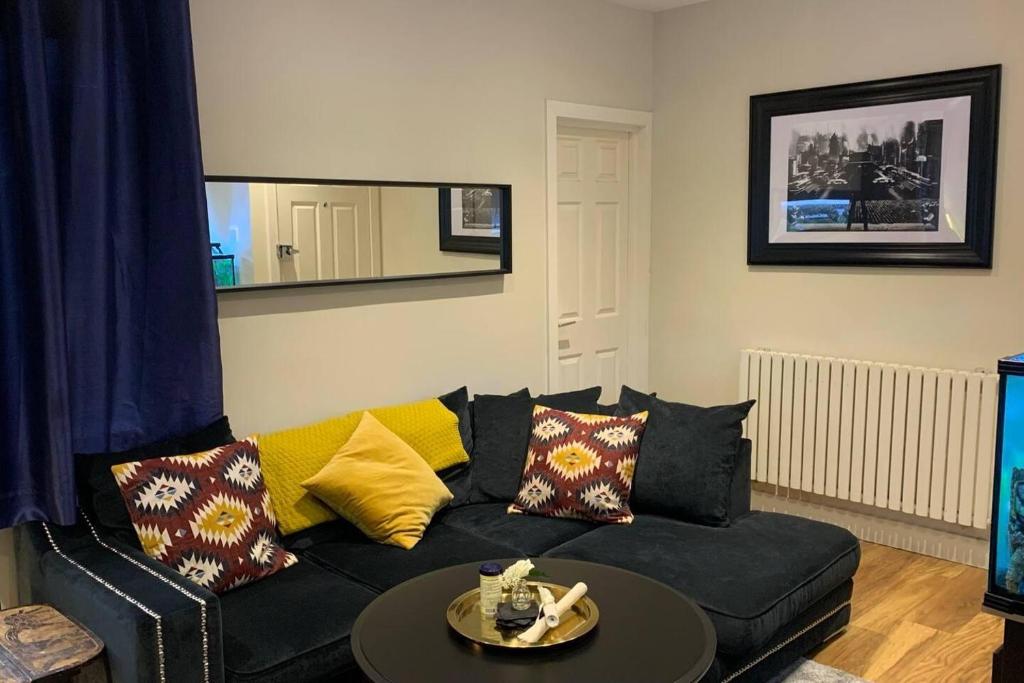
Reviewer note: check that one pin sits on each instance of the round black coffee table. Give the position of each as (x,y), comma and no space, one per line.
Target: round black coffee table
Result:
(647,632)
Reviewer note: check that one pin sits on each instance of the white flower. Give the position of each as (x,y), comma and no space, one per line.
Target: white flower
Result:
(517,570)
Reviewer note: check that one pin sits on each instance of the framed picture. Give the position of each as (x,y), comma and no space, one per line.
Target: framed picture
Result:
(891,172)
(470,219)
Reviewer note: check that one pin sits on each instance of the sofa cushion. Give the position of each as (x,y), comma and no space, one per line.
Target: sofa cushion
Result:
(527,535)
(206,515)
(293,625)
(291,456)
(459,482)
(98,492)
(382,566)
(458,402)
(501,433)
(751,578)
(580,465)
(687,458)
(613,408)
(361,480)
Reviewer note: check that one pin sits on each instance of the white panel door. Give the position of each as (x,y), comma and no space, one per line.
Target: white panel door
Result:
(328,232)
(591,251)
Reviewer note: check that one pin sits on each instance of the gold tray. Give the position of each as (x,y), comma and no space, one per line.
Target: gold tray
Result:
(466,619)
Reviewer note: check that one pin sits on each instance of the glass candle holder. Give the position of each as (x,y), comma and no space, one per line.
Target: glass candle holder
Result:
(522,596)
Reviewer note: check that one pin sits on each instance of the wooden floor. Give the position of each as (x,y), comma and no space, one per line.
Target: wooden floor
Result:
(915,619)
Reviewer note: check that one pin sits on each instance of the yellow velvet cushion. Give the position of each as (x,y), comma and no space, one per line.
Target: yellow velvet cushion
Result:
(291,456)
(381,485)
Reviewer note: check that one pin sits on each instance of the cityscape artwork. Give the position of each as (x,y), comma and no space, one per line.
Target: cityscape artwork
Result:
(894,172)
(864,174)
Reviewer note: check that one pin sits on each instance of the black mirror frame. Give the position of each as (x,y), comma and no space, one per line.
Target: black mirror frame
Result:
(504,248)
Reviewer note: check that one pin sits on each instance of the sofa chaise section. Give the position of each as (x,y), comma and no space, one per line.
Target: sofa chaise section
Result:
(823,620)
(752,578)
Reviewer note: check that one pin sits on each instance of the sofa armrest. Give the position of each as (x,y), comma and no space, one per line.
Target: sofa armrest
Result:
(156,624)
(739,494)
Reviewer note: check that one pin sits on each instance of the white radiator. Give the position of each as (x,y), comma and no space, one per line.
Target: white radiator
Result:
(910,439)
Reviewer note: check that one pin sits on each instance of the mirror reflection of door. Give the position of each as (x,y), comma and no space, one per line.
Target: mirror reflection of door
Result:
(328,232)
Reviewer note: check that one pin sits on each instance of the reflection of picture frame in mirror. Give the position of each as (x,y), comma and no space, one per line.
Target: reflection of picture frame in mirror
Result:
(470,219)
(224,270)
(223,266)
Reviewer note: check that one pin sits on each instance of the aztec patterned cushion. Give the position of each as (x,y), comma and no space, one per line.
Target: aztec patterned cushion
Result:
(580,466)
(206,515)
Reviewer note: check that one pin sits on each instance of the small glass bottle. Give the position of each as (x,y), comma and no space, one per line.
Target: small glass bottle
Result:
(490,588)
(522,597)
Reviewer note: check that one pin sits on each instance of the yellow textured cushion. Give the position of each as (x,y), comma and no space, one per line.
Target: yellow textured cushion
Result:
(381,485)
(291,456)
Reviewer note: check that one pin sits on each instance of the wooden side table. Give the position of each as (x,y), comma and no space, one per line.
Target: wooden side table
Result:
(39,643)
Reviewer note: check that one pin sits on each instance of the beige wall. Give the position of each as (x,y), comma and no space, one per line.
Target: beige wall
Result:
(399,90)
(707,303)
(410,236)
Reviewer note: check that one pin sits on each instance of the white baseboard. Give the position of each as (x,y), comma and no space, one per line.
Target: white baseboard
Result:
(897,533)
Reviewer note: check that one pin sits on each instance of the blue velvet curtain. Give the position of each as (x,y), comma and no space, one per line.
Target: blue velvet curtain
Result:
(108,324)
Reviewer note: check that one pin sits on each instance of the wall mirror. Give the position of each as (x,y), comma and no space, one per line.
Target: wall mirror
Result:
(287,232)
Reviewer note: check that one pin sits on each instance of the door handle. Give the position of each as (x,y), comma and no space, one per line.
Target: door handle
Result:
(566,323)
(286,250)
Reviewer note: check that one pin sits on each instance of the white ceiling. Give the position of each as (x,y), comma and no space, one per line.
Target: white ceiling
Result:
(655,5)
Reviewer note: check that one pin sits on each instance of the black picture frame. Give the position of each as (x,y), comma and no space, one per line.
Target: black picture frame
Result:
(505,242)
(467,243)
(981,84)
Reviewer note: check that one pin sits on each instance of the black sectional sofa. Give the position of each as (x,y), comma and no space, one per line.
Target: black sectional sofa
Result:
(775,586)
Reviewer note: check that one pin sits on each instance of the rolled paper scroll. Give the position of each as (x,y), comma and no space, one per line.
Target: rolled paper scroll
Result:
(537,631)
(570,598)
(547,606)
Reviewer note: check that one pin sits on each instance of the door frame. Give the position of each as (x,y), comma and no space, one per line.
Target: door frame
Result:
(638,259)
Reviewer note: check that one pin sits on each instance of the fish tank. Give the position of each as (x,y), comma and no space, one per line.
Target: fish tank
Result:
(1006,551)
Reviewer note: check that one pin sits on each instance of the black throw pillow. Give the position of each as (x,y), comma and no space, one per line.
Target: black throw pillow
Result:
(612,409)
(458,402)
(98,493)
(501,435)
(687,458)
